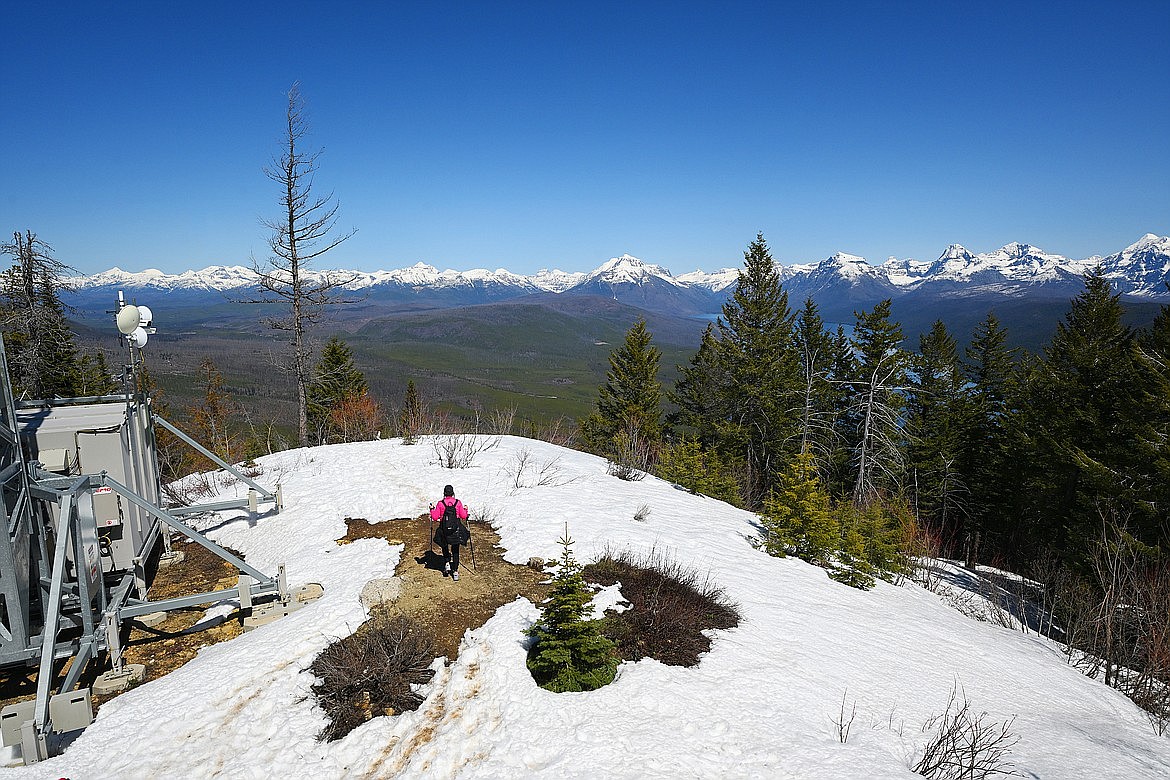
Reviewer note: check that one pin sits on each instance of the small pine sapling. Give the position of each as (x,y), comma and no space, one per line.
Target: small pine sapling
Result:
(797,517)
(569,652)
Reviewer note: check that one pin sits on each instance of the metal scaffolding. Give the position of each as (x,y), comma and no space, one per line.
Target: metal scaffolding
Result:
(83,514)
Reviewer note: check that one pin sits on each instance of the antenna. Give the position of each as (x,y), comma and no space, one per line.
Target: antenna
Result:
(135,324)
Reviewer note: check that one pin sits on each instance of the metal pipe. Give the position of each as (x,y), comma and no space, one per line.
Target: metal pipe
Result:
(215,458)
(182,528)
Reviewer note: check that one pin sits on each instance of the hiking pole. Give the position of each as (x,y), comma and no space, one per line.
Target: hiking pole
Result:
(471,544)
(431,531)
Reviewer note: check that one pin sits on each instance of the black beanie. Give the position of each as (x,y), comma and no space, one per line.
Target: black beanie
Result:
(448,490)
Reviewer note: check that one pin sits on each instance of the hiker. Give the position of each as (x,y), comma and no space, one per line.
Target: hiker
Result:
(451,532)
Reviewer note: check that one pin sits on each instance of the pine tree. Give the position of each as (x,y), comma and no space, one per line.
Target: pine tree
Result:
(797,516)
(628,404)
(410,419)
(1087,413)
(937,414)
(1155,360)
(336,381)
(569,653)
(821,397)
(986,463)
(94,376)
(300,234)
(871,537)
(42,357)
(760,401)
(698,392)
(686,463)
(877,402)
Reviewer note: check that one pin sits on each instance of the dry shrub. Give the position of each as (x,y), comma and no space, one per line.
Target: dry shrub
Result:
(370,673)
(966,745)
(671,606)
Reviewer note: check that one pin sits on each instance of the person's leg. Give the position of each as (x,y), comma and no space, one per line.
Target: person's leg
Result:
(455,557)
(447,557)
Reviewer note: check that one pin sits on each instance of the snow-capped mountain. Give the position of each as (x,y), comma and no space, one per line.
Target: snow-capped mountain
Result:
(628,270)
(1144,266)
(1017,270)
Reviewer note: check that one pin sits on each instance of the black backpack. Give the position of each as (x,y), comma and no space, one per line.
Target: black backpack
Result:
(450,527)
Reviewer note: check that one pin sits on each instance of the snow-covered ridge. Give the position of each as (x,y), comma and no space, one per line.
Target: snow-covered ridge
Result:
(1142,268)
(765,700)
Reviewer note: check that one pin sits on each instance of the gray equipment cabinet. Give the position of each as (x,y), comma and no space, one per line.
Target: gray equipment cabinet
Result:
(111,436)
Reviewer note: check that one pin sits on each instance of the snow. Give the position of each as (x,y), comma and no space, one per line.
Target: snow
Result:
(556,281)
(1140,269)
(761,703)
(628,269)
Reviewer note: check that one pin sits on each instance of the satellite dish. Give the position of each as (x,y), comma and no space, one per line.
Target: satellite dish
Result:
(139,337)
(129,318)
(146,315)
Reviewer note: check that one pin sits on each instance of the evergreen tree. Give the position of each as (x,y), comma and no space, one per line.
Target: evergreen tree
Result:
(42,357)
(699,470)
(760,370)
(820,395)
(1155,360)
(410,419)
(94,376)
(302,233)
(871,540)
(986,463)
(628,404)
(877,402)
(937,413)
(698,392)
(336,381)
(1090,435)
(569,653)
(797,517)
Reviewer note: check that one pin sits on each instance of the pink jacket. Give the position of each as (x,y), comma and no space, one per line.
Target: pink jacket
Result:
(441,508)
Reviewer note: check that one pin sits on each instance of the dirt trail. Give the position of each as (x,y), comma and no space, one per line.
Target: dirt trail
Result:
(446,607)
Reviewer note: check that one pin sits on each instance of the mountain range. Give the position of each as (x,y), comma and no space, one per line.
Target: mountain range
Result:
(1140,270)
(1019,281)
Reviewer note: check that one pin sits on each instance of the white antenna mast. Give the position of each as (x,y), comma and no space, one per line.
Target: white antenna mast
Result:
(134,323)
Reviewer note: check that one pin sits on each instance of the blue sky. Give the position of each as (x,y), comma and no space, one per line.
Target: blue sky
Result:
(532,135)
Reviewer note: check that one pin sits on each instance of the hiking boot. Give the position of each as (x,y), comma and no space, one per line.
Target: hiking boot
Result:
(455,576)
(446,567)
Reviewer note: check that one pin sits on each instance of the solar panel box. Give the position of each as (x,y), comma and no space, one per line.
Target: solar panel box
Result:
(112,435)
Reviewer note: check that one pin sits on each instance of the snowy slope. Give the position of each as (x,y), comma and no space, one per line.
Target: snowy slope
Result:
(761,704)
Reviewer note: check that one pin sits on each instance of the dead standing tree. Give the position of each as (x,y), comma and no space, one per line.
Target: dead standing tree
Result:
(300,235)
(41,353)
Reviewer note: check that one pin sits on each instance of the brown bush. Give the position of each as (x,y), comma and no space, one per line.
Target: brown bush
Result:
(671,606)
(371,672)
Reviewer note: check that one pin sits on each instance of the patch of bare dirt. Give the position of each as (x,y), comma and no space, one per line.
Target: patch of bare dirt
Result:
(167,646)
(445,607)
(172,643)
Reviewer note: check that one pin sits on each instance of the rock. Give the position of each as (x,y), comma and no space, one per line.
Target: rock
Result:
(380,591)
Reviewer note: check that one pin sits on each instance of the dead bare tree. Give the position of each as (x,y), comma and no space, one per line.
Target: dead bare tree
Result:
(879,450)
(41,354)
(300,235)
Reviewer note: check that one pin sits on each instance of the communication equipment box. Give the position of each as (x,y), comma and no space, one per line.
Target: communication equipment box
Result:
(110,436)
